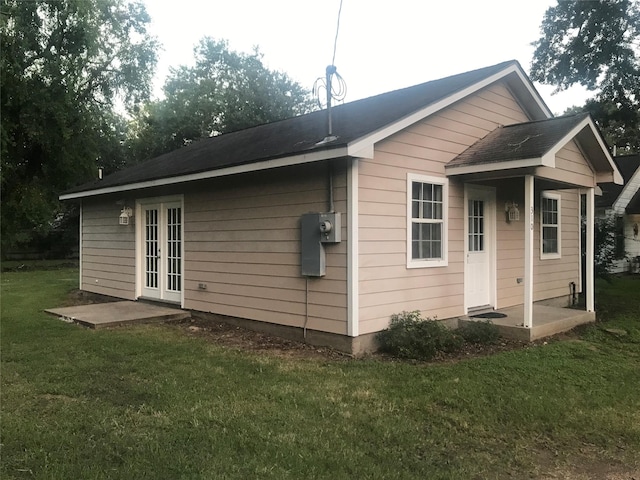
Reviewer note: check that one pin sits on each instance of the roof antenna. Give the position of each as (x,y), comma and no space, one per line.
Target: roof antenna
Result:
(333,92)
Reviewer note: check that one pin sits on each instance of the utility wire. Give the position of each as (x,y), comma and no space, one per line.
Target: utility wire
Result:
(335,41)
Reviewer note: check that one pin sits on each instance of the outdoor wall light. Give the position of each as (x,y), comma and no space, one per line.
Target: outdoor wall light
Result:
(511,209)
(125,215)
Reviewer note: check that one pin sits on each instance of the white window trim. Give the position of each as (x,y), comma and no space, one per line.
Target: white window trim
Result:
(558,254)
(426,262)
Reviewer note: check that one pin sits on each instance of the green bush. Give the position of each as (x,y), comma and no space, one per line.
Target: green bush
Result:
(479,332)
(411,336)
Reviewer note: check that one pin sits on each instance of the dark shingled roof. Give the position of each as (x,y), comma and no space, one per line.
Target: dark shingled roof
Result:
(627,164)
(518,142)
(298,135)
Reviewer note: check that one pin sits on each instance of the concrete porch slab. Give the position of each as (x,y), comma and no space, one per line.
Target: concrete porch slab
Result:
(111,314)
(547,321)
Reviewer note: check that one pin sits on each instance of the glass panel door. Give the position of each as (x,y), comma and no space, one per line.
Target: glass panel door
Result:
(152,251)
(174,249)
(476,226)
(161,265)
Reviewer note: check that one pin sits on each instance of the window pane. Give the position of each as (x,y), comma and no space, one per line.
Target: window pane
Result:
(437,211)
(417,189)
(437,193)
(549,240)
(415,209)
(428,210)
(426,240)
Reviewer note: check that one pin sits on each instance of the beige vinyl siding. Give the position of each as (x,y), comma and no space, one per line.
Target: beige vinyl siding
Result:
(386,286)
(552,276)
(108,251)
(242,239)
(570,166)
(510,245)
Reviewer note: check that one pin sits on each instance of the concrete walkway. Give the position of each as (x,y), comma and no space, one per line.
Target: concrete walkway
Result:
(102,315)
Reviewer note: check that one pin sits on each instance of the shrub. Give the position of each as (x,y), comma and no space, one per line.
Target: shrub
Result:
(411,336)
(479,332)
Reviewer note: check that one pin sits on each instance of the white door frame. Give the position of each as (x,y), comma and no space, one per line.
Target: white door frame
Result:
(488,194)
(140,244)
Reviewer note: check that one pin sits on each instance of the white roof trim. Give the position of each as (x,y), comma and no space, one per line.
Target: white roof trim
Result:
(493,167)
(252,167)
(588,121)
(628,192)
(395,127)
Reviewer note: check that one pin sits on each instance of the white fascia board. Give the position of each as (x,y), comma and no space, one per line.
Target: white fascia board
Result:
(617,176)
(534,93)
(628,192)
(361,152)
(374,137)
(252,167)
(492,167)
(566,139)
(586,122)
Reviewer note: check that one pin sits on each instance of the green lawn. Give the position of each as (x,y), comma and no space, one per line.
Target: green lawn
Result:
(150,402)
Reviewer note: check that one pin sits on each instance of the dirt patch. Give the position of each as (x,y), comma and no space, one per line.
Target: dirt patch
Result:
(231,336)
(225,334)
(80,297)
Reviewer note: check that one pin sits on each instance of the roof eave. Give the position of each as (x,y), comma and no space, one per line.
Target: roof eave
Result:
(453,170)
(309,157)
(586,133)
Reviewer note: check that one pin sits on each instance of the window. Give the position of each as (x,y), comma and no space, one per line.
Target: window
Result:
(427,221)
(550,225)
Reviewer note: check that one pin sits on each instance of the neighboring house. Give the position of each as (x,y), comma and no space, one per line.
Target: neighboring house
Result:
(448,197)
(623,203)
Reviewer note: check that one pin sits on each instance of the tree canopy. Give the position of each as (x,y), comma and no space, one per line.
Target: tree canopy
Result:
(65,65)
(223,91)
(596,44)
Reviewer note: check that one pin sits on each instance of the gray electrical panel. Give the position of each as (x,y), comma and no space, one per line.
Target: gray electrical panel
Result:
(317,229)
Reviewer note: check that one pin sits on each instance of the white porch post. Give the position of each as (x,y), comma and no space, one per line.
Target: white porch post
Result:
(590,250)
(528,251)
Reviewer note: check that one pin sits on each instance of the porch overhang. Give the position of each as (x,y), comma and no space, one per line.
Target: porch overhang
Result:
(532,148)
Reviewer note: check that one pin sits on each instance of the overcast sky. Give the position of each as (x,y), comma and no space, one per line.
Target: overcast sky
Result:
(382,45)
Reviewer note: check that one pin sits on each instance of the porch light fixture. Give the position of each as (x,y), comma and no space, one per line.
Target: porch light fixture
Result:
(513,214)
(125,215)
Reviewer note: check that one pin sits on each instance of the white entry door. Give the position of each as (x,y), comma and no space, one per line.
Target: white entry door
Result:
(161,252)
(479,276)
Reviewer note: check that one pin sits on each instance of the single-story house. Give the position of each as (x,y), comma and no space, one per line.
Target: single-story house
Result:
(449,197)
(622,204)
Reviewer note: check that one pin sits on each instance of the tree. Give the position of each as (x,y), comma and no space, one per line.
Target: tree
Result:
(65,65)
(596,44)
(223,91)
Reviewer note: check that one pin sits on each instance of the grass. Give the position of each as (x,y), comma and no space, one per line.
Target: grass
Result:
(149,402)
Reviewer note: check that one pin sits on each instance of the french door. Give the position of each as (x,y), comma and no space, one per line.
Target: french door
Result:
(161,251)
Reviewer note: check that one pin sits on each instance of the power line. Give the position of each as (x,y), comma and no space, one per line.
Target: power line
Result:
(335,41)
